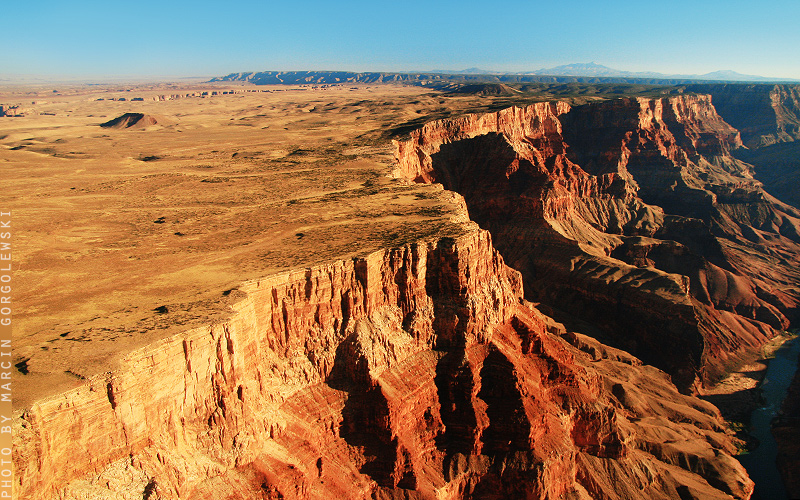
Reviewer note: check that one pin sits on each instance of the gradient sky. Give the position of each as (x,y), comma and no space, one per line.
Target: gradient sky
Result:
(146,38)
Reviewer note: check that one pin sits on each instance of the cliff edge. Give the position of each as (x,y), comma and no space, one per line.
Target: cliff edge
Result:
(415,372)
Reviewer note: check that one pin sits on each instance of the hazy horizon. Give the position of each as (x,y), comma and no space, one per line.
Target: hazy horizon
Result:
(92,40)
(22,79)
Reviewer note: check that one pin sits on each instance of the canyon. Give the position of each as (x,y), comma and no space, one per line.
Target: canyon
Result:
(662,232)
(503,303)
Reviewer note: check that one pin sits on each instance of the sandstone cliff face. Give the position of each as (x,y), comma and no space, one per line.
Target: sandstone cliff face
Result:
(631,215)
(768,117)
(415,372)
(765,114)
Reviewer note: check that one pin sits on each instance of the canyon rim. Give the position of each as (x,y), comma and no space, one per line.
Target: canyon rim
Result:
(372,290)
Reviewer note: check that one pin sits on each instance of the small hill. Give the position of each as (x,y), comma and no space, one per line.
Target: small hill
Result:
(128,120)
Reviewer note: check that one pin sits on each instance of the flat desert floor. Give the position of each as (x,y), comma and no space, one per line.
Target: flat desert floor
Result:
(123,236)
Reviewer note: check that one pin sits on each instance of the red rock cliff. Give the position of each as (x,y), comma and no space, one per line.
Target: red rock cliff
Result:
(631,215)
(415,372)
(764,113)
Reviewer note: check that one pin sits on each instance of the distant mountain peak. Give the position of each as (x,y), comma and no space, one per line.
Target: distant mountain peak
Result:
(586,65)
(727,74)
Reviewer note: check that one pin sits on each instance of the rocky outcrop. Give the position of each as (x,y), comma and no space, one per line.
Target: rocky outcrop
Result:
(631,215)
(413,372)
(16,110)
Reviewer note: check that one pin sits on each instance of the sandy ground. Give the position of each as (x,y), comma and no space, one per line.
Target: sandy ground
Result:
(124,236)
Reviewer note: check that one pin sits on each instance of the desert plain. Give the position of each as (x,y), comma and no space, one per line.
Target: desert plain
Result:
(124,235)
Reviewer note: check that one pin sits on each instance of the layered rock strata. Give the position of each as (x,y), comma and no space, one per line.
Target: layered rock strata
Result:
(768,116)
(414,372)
(765,114)
(631,215)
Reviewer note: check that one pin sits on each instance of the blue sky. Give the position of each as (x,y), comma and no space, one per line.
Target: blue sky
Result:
(200,38)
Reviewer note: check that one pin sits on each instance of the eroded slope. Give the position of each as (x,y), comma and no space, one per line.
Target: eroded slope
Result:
(768,117)
(416,372)
(631,215)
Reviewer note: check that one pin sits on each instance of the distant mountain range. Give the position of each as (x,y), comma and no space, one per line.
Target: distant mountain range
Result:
(578,73)
(598,70)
